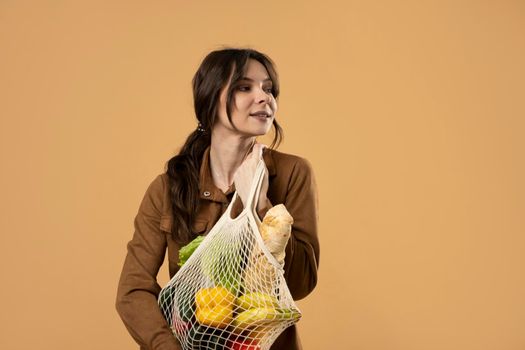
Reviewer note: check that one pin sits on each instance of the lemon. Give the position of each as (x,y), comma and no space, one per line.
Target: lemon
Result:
(219,316)
(256,300)
(213,296)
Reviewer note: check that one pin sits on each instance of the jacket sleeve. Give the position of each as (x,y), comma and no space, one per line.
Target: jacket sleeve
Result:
(137,292)
(302,251)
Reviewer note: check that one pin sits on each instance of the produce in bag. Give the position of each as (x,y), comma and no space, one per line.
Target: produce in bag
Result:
(231,292)
(186,251)
(275,231)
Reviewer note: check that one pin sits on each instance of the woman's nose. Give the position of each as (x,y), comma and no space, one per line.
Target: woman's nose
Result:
(263,96)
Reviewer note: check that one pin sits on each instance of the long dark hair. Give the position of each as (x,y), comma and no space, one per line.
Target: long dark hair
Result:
(184,168)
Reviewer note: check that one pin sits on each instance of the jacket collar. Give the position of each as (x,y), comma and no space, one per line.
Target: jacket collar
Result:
(208,189)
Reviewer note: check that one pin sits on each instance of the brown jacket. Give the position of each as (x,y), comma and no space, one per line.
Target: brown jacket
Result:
(291,182)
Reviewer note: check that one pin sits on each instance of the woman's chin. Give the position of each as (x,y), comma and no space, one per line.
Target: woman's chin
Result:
(261,131)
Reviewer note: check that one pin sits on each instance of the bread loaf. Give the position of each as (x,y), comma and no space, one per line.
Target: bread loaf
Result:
(275,230)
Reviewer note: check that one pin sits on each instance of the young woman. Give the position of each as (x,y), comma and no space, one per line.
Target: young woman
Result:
(235,98)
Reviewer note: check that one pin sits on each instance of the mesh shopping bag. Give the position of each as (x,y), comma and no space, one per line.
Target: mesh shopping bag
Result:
(231,292)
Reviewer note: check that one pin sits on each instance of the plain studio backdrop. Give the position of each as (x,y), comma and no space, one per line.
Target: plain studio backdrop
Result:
(411,112)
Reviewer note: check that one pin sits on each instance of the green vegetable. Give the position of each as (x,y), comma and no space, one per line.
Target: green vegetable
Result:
(166,302)
(222,263)
(186,251)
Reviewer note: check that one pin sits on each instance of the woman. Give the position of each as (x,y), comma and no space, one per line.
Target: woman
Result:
(235,98)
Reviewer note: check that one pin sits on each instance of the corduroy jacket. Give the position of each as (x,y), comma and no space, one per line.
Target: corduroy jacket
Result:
(291,182)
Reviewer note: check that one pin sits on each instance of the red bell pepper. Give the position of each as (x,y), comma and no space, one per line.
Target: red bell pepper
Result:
(248,344)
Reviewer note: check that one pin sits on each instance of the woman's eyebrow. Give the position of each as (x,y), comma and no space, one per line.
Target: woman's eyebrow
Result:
(250,79)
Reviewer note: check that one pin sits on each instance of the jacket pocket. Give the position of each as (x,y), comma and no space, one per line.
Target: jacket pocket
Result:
(199,226)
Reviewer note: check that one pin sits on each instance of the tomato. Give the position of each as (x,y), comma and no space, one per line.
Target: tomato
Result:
(245,345)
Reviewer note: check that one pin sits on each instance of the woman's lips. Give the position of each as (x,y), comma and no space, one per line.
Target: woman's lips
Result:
(261,117)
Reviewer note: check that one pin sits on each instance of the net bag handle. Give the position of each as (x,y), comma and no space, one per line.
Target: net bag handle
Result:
(253,196)
(250,212)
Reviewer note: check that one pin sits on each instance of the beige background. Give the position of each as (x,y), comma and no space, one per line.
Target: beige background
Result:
(411,112)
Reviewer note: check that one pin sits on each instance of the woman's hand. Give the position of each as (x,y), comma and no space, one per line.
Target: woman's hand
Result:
(244,174)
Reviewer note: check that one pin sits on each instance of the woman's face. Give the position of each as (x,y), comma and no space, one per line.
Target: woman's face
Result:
(251,96)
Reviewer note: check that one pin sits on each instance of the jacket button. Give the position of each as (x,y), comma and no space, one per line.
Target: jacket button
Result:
(206,193)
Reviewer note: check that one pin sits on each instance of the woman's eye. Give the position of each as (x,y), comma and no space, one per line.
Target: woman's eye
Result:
(247,88)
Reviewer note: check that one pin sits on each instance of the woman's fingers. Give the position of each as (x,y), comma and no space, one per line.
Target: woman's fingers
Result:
(257,151)
(243,176)
(261,148)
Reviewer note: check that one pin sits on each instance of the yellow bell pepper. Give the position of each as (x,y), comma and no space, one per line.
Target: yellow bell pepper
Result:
(214,306)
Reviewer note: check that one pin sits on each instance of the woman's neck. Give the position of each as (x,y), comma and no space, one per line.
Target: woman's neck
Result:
(226,155)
